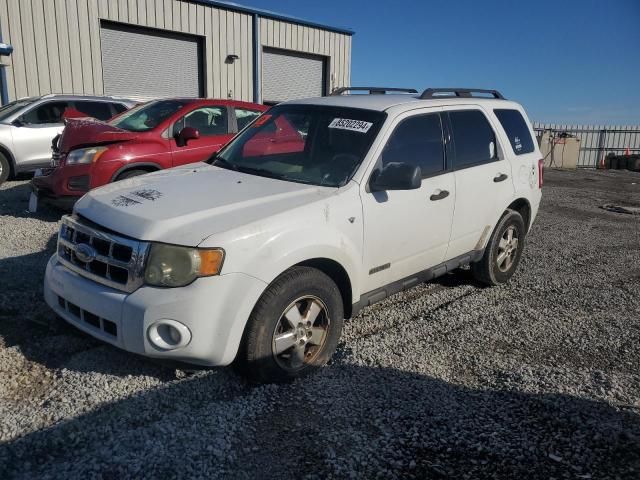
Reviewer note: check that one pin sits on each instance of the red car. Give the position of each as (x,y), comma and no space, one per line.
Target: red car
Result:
(152,136)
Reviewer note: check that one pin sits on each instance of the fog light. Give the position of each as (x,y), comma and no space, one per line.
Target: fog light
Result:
(78,183)
(169,334)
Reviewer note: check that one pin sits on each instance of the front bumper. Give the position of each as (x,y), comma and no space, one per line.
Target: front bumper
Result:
(52,188)
(214,309)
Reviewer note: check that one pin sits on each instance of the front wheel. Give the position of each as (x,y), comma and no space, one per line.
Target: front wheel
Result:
(5,168)
(502,254)
(293,329)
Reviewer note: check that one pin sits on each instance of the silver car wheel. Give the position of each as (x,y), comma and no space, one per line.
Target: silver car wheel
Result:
(300,333)
(507,249)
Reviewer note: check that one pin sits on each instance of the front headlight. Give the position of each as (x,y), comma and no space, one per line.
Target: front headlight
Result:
(85,155)
(174,266)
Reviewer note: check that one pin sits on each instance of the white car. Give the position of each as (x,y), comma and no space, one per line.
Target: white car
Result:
(28,125)
(317,209)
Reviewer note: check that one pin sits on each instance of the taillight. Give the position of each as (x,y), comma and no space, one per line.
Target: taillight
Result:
(540,172)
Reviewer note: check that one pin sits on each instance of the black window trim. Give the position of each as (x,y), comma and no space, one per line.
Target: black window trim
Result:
(445,148)
(497,146)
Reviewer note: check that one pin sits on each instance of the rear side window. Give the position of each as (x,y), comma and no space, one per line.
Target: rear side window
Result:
(474,139)
(245,117)
(517,130)
(417,141)
(99,110)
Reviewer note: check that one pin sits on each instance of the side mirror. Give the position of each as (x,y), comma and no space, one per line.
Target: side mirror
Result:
(396,176)
(186,134)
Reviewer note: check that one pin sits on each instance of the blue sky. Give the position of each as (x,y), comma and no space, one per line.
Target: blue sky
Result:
(565,61)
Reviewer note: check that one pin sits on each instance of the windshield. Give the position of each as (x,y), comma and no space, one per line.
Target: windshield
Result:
(311,144)
(10,108)
(147,116)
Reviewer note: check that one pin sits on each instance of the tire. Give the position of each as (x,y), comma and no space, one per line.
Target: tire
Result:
(130,174)
(293,329)
(5,168)
(492,271)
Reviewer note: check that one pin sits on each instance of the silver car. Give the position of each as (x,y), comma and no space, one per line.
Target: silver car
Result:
(28,125)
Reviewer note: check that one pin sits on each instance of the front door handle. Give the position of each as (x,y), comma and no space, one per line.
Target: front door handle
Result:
(500,178)
(440,195)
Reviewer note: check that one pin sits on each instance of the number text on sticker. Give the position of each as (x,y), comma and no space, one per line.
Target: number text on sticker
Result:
(353,125)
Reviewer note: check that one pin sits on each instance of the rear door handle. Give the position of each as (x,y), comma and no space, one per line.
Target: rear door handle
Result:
(440,195)
(500,178)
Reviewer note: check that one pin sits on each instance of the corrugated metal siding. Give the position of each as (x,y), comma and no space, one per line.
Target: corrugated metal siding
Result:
(597,140)
(129,54)
(302,38)
(57,43)
(287,75)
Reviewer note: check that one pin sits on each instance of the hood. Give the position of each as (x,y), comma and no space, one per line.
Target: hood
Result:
(86,131)
(185,205)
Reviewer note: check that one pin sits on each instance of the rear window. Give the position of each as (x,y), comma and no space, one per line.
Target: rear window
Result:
(475,142)
(517,130)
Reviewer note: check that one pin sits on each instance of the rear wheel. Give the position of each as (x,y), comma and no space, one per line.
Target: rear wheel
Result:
(5,168)
(502,254)
(130,174)
(293,329)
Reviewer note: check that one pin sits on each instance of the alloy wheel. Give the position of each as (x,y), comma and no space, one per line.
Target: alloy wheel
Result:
(300,333)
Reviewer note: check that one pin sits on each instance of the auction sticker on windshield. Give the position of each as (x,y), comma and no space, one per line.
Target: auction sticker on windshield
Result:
(353,125)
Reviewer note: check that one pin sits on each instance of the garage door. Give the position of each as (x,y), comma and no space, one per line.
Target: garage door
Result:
(286,76)
(142,64)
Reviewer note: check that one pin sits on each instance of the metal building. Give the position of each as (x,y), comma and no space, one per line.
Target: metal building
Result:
(153,48)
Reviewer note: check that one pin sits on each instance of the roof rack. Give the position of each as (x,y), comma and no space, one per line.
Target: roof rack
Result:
(372,90)
(458,92)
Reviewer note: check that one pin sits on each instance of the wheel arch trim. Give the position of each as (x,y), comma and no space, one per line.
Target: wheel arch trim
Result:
(136,166)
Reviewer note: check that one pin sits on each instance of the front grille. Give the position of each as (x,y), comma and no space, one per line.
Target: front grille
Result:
(107,326)
(102,256)
(56,155)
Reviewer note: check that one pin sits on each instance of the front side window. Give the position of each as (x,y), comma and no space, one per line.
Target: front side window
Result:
(99,110)
(516,129)
(418,142)
(49,112)
(244,117)
(13,107)
(474,139)
(304,143)
(148,116)
(207,120)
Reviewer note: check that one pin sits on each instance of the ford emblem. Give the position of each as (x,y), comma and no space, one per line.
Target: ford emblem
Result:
(85,253)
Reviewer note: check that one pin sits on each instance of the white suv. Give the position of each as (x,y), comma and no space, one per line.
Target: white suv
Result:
(317,209)
(28,125)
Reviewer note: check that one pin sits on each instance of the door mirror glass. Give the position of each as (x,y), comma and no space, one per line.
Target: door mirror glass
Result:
(396,176)
(186,134)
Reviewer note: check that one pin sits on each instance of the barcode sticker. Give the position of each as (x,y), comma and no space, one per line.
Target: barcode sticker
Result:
(352,125)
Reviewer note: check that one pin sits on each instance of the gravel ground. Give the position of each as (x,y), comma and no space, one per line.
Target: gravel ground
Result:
(535,379)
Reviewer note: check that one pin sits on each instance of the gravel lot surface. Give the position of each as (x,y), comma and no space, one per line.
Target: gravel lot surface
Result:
(535,379)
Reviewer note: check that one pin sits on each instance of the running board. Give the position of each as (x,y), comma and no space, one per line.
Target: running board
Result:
(411,281)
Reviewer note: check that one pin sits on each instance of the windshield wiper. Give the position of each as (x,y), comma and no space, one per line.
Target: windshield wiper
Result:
(222,163)
(262,172)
